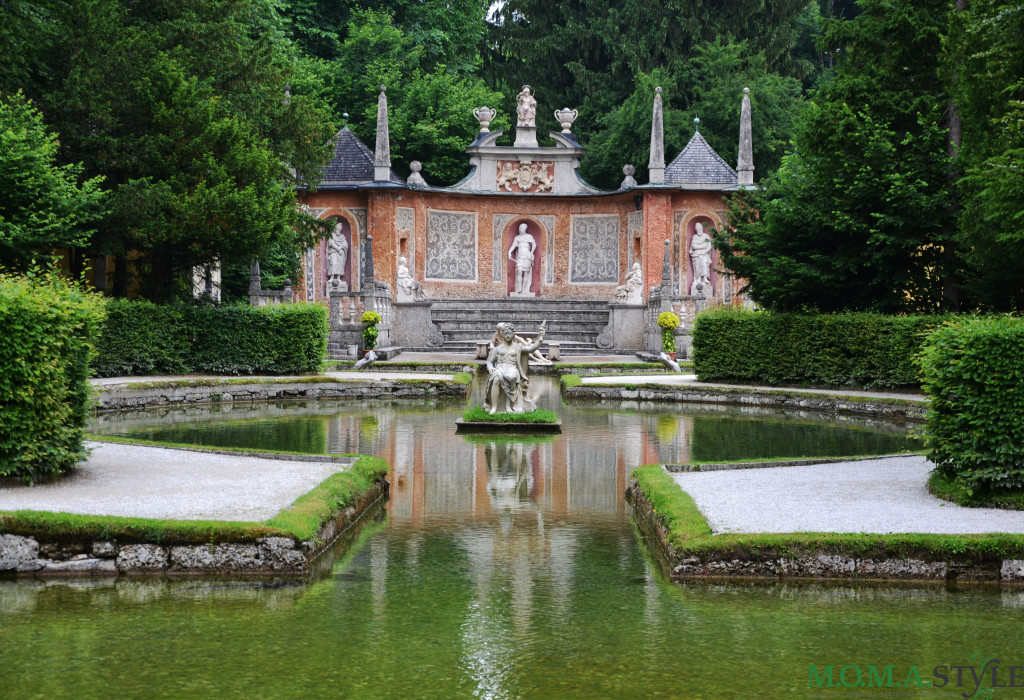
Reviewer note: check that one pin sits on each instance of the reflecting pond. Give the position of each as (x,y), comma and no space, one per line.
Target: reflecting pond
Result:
(499,568)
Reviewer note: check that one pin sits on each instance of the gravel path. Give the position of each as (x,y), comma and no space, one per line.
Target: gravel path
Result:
(150,482)
(691,380)
(883,495)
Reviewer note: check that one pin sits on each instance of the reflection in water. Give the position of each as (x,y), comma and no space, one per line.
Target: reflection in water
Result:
(499,568)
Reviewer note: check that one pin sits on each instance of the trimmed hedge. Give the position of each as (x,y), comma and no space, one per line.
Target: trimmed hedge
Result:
(142,338)
(852,349)
(974,373)
(49,333)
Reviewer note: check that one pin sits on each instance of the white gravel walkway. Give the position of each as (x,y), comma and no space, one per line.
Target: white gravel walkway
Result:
(691,380)
(883,495)
(151,482)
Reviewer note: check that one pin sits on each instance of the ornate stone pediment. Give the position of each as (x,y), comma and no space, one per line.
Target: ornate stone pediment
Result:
(514,176)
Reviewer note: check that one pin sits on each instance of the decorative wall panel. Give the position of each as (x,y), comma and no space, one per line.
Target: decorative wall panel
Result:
(594,250)
(451,246)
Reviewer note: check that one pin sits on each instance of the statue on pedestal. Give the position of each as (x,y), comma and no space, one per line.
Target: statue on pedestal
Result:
(629,293)
(523,245)
(700,259)
(337,256)
(526,108)
(507,365)
(408,288)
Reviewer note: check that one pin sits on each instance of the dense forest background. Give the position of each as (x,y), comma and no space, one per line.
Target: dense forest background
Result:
(888,136)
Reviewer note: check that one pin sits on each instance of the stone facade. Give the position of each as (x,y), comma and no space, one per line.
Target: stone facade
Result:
(456,239)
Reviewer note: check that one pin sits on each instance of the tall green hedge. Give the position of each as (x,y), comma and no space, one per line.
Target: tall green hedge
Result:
(141,338)
(974,373)
(49,333)
(852,349)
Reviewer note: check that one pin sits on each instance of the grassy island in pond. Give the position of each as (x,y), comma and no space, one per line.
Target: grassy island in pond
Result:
(539,415)
(537,420)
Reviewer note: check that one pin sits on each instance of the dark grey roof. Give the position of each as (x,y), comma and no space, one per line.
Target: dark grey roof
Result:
(352,162)
(698,164)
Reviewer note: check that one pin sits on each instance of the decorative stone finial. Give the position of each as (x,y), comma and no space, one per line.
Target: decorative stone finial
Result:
(382,154)
(415,179)
(485,115)
(656,164)
(344,123)
(566,117)
(629,180)
(745,159)
(696,125)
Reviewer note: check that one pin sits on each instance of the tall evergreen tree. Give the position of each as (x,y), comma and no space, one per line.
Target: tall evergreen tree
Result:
(182,106)
(856,218)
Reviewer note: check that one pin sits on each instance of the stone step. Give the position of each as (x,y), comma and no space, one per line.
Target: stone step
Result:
(518,303)
(527,327)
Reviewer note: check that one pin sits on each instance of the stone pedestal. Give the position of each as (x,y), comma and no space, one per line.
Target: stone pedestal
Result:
(526,137)
(627,326)
(413,327)
(528,294)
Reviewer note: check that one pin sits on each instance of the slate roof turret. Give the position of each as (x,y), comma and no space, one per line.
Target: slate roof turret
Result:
(352,164)
(699,167)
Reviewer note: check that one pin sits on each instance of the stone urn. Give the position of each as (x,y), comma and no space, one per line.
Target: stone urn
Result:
(485,115)
(566,117)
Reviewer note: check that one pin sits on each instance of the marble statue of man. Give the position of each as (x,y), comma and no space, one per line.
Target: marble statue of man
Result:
(700,258)
(523,245)
(507,365)
(337,256)
(526,108)
(408,288)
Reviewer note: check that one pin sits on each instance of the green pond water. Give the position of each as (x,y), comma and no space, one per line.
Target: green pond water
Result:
(497,569)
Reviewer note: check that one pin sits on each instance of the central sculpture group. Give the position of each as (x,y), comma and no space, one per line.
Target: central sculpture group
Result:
(508,380)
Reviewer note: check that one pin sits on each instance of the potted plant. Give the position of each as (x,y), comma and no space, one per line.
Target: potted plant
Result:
(370,320)
(668,322)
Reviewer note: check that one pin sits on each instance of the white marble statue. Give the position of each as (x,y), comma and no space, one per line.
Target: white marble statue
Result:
(629,293)
(337,256)
(507,368)
(526,108)
(700,259)
(523,245)
(408,288)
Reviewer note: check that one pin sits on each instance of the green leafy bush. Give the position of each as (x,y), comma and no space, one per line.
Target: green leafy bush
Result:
(49,333)
(974,373)
(145,338)
(280,339)
(140,337)
(851,349)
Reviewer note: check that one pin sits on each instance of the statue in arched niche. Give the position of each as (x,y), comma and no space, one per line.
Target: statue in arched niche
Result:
(700,261)
(337,256)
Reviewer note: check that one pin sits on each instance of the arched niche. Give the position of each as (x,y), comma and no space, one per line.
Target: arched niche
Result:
(346,233)
(690,230)
(534,229)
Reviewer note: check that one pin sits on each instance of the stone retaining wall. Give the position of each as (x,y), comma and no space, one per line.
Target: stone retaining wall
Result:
(812,565)
(112,397)
(896,409)
(282,556)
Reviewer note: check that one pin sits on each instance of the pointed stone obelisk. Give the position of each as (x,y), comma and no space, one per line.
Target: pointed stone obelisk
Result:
(745,160)
(382,155)
(656,165)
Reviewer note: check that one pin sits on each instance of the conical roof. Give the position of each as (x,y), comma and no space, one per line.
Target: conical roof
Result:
(698,166)
(352,163)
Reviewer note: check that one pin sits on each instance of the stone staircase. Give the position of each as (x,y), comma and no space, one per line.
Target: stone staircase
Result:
(575,325)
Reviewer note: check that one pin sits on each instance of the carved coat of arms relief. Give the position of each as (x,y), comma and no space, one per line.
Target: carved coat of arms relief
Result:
(526,176)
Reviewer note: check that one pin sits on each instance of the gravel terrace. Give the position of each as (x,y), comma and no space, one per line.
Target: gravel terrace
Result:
(884,495)
(691,380)
(151,482)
